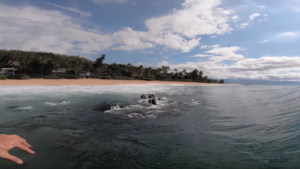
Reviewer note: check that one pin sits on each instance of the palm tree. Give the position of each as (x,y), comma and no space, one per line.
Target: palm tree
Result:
(164,70)
(14,63)
(64,63)
(53,64)
(24,63)
(140,70)
(43,61)
(98,63)
(77,65)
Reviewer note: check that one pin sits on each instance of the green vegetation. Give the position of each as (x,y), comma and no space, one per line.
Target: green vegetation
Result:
(3,78)
(41,64)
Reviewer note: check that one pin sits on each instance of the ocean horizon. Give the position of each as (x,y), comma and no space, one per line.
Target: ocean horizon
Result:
(191,127)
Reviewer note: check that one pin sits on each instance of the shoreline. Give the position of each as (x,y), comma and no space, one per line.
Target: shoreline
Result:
(96,82)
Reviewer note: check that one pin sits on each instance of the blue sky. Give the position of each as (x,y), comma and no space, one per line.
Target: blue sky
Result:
(246,39)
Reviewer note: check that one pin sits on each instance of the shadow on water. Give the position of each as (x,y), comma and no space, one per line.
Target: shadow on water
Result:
(203,127)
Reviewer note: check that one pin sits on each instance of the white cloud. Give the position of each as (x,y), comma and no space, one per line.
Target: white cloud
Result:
(202,55)
(181,29)
(197,17)
(209,46)
(213,36)
(204,46)
(243,25)
(287,34)
(82,13)
(235,18)
(54,31)
(215,46)
(225,53)
(31,28)
(261,6)
(266,15)
(253,16)
(265,68)
(130,40)
(264,41)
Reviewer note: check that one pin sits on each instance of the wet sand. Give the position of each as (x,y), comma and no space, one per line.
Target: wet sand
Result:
(91,82)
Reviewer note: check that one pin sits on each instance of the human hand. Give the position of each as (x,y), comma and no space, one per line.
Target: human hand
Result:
(8,142)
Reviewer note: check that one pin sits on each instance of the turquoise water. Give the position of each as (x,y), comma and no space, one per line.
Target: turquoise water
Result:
(192,127)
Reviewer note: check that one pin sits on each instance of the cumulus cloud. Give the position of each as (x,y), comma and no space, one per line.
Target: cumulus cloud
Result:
(181,29)
(253,16)
(235,18)
(287,34)
(202,55)
(82,13)
(264,68)
(31,28)
(204,46)
(54,31)
(219,54)
(264,41)
(243,25)
(130,40)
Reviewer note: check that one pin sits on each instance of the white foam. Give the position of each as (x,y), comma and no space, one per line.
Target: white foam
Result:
(59,103)
(64,90)
(164,98)
(194,102)
(23,108)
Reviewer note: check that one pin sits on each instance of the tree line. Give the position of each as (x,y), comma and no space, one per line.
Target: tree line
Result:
(32,64)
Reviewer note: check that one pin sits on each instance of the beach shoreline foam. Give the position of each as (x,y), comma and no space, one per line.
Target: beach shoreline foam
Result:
(93,82)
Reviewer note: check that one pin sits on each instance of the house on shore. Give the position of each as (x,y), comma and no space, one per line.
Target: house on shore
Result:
(7,71)
(136,76)
(85,74)
(58,71)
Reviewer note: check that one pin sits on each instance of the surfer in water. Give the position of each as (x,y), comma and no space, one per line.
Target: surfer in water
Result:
(8,142)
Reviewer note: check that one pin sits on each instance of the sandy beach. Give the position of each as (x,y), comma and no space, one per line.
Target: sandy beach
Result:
(90,82)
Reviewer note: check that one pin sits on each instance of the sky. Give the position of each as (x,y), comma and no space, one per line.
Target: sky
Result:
(228,39)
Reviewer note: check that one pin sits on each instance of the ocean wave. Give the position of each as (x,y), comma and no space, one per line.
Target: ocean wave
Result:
(64,90)
(20,108)
(143,109)
(57,103)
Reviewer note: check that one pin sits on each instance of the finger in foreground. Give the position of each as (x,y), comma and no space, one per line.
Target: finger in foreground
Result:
(12,158)
(25,148)
(26,144)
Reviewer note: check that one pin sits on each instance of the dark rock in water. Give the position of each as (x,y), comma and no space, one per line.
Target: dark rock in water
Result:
(112,106)
(143,96)
(152,101)
(151,96)
(108,106)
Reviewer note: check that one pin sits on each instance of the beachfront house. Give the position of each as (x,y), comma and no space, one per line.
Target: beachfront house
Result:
(7,71)
(59,71)
(136,75)
(84,74)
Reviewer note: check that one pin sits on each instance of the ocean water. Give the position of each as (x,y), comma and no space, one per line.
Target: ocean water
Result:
(191,127)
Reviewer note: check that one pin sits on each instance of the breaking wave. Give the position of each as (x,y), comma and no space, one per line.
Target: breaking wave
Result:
(16,108)
(57,103)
